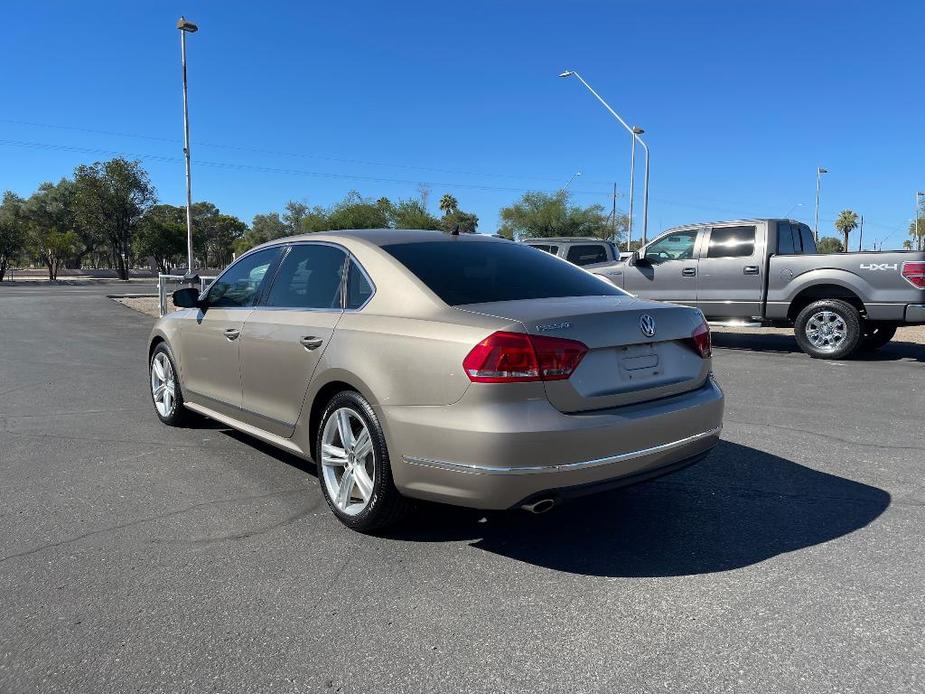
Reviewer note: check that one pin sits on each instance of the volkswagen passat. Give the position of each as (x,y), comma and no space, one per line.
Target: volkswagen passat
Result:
(463,369)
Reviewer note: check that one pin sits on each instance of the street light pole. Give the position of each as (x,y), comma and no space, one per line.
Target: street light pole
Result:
(577,173)
(187,27)
(915,222)
(635,135)
(645,196)
(629,221)
(819,172)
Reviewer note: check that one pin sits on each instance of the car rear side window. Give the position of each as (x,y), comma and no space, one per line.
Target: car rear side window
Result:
(310,276)
(358,287)
(809,243)
(732,242)
(587,254)
(474,272)
(785,240)
(240,284)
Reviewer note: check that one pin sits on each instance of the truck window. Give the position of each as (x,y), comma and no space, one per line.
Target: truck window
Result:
(731,242)
(785,240)
(549,249)
(809,243)
(678,245)
(587,254)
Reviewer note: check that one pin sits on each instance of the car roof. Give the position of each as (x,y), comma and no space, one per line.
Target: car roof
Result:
(725,222)
(387,237)
(564,239)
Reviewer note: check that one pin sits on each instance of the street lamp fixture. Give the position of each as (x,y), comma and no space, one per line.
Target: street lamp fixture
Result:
(635,132)
(184,24)
(187,27)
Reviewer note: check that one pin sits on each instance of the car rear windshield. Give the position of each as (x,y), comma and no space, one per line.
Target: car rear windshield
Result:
(475,273)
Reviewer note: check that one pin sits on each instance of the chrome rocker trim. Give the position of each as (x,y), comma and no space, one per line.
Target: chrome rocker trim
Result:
(476,469)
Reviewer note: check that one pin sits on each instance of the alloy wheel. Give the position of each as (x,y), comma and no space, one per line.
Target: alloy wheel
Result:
(348,461)
(826,330)
(163,384)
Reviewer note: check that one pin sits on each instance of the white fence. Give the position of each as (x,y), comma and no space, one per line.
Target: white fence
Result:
(168,284)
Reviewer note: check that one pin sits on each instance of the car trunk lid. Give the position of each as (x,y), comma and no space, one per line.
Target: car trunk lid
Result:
(626,363)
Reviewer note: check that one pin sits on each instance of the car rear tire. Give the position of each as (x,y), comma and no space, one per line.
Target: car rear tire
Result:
(166,394)
(353,466)
(877,336)
(828,329)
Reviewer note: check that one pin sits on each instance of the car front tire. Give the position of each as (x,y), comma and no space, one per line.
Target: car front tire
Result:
(166,394)
(828,329)
(354,468)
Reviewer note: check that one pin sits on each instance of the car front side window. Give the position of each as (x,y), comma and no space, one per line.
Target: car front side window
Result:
(239,286)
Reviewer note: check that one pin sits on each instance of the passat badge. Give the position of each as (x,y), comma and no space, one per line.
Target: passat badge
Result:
(647,325)
(553,326)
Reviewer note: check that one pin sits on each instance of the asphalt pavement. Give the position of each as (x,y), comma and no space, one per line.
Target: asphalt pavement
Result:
(134,557)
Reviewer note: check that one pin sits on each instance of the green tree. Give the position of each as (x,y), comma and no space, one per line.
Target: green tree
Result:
(357,212)
(907,245)
(111,197)
(917,231)
(448,204)
(50,222)
(161,235)
(467,222)
(410,214)
(12,231)
(539,214)
(846,222)
(299,218)
(829,244)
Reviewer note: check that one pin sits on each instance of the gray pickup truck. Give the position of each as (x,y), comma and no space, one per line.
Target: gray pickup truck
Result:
(580,250)
(766,272)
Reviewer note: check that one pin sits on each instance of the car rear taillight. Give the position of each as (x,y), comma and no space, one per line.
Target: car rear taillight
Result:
(516,357)
(914,273)
(700,340)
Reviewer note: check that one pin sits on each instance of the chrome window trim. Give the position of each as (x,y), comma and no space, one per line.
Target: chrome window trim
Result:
(477,469)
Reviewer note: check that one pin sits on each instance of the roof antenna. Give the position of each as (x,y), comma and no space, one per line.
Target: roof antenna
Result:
(455,231)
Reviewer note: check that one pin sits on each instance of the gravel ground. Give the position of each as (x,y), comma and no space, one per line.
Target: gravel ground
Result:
(914,334)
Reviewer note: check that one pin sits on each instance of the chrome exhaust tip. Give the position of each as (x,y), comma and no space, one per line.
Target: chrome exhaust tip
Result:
(541,506)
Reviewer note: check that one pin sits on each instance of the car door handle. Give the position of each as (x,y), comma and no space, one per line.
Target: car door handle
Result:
(311,342)
(689,271)
(750,270)
(232,334)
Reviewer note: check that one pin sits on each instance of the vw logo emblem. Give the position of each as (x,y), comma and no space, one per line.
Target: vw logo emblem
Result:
(647,325)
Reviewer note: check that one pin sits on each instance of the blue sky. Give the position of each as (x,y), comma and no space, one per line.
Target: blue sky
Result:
(741,100)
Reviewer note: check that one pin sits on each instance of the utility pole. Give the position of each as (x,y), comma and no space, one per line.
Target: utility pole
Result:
(861,237)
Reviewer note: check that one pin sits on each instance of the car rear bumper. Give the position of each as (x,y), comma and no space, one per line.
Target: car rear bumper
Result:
(915,313)
(495,455)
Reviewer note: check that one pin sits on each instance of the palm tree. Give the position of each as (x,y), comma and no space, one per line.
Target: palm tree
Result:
(448,203)
(846,223)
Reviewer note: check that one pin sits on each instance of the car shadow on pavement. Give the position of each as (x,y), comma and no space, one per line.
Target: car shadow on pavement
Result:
(760,342)
(738,507)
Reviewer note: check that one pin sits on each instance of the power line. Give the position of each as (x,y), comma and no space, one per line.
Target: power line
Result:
(300,155)
(266,169)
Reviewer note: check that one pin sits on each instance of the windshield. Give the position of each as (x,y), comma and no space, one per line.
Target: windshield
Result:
(475,273)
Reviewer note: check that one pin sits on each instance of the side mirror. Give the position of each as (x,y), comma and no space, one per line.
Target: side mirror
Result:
(633,259)
(187,297)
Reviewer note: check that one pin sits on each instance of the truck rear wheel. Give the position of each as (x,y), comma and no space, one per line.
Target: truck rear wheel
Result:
(828,329)
(877,336)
